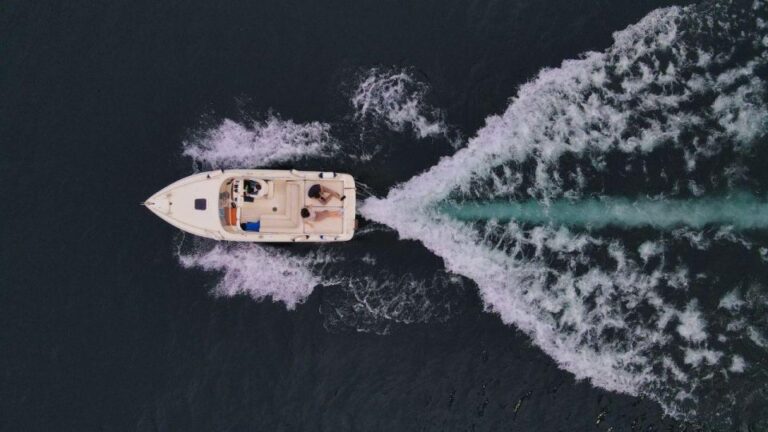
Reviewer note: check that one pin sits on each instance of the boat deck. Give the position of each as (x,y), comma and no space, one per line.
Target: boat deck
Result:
(279,211)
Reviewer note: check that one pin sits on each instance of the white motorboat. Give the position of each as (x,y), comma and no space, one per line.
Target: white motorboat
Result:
(260,205)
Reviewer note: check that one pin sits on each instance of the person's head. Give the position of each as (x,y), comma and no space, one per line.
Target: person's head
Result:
(242,226)
(305,212)
(314,191)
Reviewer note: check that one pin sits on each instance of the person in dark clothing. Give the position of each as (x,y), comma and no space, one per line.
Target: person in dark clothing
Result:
(323,194)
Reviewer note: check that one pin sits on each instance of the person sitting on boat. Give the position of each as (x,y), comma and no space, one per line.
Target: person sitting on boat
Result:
(323,194)
(252,187)
(310,216)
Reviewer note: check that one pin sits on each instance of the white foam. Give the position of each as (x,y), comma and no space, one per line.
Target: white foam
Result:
(371,302)
(728,233)
(739,112)
(763,253)
(259,144)
(696,238)
(566,110)
(395,97)
(555,315)
(257,271)
(692,324)
(696,357)
(377,300)
(543,279)
(650,249)
(738,364)
(757,337)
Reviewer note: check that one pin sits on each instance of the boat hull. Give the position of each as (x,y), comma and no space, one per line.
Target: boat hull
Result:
(203,204)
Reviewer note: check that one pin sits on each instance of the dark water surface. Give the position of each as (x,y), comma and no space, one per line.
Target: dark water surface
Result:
(101,329)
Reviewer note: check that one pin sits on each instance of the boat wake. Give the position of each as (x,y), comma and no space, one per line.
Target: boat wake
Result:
(740,211)
(256,271)
(396,98)
(362,293)
(259,143)
(612,213)
(676,109)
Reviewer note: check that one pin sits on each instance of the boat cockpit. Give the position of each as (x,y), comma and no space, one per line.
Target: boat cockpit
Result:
(257,205)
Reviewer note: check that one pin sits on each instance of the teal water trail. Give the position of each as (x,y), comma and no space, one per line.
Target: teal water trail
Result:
(741,211)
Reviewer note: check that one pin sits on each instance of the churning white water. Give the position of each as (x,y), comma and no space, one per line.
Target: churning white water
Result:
(622,314)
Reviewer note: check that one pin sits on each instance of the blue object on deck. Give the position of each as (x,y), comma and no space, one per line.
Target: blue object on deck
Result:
(252,226)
